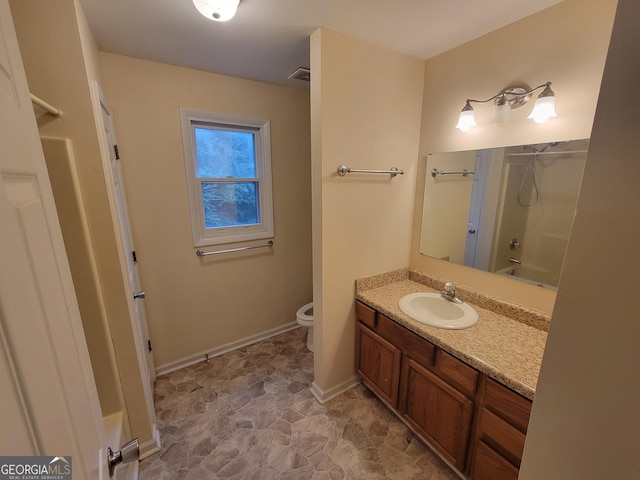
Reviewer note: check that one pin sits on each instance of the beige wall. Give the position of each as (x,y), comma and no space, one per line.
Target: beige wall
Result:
(59,56)
(365,104)
(585,420)
(195,305)
(565,44)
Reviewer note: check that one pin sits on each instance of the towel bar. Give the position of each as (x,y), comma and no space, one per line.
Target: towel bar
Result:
(200,253)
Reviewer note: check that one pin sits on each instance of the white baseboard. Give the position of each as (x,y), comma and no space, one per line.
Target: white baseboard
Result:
(215,351)
(152,446)
(325,395)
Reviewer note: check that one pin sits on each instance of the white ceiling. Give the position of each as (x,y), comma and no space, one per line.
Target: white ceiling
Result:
(268,39)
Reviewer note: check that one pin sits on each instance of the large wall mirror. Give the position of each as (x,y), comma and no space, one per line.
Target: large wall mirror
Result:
(505,210)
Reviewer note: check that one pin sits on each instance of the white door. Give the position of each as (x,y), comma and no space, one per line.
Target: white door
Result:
(49,405)
(140,327)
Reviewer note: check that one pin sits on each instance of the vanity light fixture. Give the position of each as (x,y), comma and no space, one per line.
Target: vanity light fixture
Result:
(508,99)
(218,10)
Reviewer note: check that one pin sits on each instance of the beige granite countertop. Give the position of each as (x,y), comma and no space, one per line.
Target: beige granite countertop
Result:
(507,349)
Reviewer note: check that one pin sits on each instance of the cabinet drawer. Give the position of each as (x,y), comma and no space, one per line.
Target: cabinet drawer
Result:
(456,372)
(365,314)
(411,344)
(488,465)
(508,405)
(502,437)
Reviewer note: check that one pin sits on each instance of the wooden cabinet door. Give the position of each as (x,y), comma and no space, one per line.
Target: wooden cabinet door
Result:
(489,465)
(378,364)
(438,411)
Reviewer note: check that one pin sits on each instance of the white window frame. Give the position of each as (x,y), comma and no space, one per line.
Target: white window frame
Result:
(202,236)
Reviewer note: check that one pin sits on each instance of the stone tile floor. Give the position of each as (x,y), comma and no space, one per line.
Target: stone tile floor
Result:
(249,414)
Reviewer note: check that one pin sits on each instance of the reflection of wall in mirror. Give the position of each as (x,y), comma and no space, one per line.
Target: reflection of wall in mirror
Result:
(446,202)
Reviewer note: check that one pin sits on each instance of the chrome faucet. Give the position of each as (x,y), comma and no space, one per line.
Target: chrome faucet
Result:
(449,293)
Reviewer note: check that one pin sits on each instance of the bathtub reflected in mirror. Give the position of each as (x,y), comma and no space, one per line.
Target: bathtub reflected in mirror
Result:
(504,210)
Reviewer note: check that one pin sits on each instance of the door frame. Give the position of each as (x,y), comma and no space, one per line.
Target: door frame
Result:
(151,446)
(122,217)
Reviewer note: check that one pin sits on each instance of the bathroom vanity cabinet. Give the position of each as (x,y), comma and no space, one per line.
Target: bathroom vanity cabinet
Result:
(477,424)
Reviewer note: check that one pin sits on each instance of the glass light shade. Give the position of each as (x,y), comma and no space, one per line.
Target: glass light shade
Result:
(218,10)
(544,109)
(466,121)
(501,114)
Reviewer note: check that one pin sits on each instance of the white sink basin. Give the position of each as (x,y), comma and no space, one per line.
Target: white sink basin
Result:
(432,309)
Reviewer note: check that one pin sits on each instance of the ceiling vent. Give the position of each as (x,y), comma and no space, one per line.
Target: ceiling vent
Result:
(301,73)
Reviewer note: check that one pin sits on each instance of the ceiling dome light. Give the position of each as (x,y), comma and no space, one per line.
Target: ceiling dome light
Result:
(218,10)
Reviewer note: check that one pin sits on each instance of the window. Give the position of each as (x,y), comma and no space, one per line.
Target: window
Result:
(228,164)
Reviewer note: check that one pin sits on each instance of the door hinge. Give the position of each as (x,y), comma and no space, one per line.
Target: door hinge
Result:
(116,151)
(149,345)
(135,259)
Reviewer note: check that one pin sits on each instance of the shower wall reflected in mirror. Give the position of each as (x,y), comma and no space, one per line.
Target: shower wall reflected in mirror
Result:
(505,210)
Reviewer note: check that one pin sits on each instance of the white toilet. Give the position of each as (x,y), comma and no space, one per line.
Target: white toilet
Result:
(304,316)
